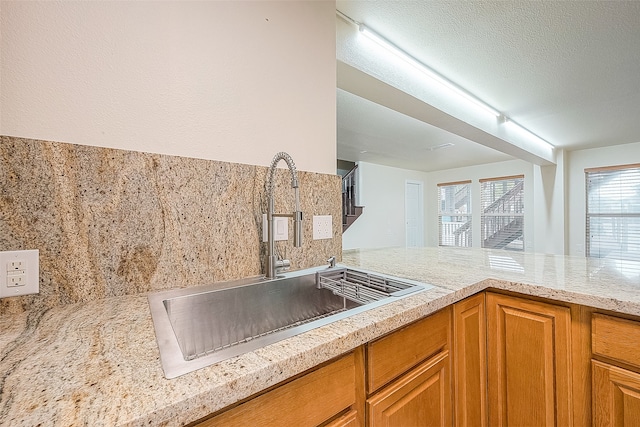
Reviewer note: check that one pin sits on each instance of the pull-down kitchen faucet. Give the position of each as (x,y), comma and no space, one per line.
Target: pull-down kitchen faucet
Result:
(273,263)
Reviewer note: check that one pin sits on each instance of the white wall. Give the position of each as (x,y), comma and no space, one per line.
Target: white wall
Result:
(382,191)
(555,206)
(475,173)
(576,189)
(223,80)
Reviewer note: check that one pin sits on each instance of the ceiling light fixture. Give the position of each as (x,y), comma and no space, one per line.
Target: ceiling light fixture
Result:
(509,122)
(399,53)
(438,147)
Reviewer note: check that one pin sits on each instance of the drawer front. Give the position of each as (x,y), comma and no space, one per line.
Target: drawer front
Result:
(349,419)
(307,401)
(616,338)
(396,353)
(421,397)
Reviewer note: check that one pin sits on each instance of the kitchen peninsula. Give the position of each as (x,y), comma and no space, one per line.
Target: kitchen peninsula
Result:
(97,363)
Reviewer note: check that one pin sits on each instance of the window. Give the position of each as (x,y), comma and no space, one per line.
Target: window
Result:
(454,214)
(613,212)
(502,218)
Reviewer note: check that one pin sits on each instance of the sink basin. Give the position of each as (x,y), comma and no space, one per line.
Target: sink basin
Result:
(199,326)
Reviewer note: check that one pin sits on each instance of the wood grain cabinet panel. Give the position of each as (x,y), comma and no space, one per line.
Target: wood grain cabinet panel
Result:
(616,396)
(470,361)
(616,338)
(350,419)
(396,353)
(529,362)
(309,400)
(421,398)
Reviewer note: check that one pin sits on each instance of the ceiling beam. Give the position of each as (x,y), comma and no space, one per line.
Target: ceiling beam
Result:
(366,86)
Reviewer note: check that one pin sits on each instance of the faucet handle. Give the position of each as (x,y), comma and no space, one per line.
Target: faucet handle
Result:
(332,262)
(282,265)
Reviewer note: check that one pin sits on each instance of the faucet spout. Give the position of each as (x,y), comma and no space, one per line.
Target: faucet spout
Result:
(273,264)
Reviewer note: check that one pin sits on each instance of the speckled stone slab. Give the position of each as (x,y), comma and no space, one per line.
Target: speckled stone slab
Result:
(113,222)
(601,283)
(97,363)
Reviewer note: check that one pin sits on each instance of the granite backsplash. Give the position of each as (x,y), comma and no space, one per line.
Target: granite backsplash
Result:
(113,222)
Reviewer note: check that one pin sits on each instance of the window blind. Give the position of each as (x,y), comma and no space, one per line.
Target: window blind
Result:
(613,212)
(502,217)
(454,214)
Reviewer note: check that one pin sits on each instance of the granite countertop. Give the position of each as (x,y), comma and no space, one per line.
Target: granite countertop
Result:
(98,363)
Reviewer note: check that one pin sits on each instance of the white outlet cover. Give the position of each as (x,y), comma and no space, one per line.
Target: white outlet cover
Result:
(280,228)
(322,227)
(30,264)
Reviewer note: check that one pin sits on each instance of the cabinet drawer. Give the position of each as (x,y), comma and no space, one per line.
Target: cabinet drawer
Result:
(350,419)
(616,338)
(422,397)
(394,354)
(307,401)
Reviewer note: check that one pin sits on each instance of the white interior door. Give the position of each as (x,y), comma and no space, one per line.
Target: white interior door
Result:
(414,213)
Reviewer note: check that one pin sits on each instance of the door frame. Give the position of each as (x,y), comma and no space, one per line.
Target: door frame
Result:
(420,212)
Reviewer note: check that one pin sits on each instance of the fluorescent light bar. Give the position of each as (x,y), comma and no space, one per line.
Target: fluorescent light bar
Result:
(400,54)
(510,122)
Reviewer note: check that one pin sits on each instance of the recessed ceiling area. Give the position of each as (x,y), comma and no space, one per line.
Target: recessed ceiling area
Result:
(373,133)
(568,71)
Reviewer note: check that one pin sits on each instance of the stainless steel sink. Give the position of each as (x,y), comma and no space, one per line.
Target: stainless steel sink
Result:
(199,326)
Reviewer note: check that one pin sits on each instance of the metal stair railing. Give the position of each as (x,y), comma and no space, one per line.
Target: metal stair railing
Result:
(506,197)
(350,211)
(498,227)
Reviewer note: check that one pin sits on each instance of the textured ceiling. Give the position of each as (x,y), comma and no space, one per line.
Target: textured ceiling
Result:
(569,71)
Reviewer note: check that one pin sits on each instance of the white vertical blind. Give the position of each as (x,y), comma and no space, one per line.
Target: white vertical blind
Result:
(502,218)
(454,214)
(613,212)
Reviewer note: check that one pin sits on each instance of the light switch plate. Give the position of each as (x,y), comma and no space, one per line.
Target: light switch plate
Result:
(280,228)
(322,227)
(19,273)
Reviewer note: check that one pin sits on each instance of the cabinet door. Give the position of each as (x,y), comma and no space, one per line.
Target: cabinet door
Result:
(616,396)
(470,361)
(529,362)
(422,397)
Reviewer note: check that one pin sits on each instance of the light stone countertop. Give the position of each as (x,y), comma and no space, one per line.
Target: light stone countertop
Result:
(97,364)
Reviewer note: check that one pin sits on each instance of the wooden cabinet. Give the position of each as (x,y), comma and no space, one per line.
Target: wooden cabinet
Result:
(404,380)
(616,389)
(616,396)
(309,400)
(489,360)
(409,379)
(529,362)
(422,397)
(470,361)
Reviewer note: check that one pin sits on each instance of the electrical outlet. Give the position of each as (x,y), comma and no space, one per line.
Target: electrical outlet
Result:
(19,273)
(15,265)
(322,227)
(18,278)
(280,228)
